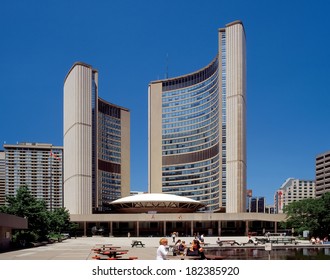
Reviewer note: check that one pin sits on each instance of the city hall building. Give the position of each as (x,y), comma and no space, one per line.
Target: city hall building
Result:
(160,214)
(196,153)
(96,145)
(197,129)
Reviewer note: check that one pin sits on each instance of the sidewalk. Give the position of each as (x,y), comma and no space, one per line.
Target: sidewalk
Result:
(81,248)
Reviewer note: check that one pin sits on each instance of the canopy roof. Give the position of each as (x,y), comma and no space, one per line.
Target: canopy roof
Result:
(157,202)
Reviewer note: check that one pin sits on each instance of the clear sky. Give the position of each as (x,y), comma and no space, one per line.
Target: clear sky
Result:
(288,71)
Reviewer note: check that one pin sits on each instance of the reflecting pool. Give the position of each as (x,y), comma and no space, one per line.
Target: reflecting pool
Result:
(295,253)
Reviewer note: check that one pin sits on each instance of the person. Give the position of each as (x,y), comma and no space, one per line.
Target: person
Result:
(161,251)
(201,238)
(196,250)
(313,241)
(176,247)
(182,246)
(173,237)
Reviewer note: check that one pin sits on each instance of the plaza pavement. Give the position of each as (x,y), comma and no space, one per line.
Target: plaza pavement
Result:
(81,248)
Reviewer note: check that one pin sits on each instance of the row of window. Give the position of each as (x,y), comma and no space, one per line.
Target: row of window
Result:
(194,127)
(187,144)
(189,96)
(192,79)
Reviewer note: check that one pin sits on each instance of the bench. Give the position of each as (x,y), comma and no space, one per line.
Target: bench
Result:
(250,242)
(136,243)
(214,257)
(284,240)
(230,242)
(262,240)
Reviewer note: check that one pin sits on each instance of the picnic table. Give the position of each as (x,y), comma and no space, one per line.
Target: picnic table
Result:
(136,243)
(114,253)
(109,251)
(109,254)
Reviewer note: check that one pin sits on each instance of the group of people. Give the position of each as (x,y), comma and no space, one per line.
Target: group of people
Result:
(180,247)
(317,240)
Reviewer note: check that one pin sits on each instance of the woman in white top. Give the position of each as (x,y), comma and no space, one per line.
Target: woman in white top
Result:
(161,251)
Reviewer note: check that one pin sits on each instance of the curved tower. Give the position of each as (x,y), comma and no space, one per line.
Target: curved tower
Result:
(96,145)
(79,85)
(197,145)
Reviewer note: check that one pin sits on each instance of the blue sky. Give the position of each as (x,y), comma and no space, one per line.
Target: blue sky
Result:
(288,67)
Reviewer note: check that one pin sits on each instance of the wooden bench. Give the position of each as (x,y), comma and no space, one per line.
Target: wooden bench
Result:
(284,240)
(136,243)
(230,242)
(214,257)
(262,240)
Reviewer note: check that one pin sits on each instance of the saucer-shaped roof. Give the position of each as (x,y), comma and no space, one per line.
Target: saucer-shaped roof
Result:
(158,202)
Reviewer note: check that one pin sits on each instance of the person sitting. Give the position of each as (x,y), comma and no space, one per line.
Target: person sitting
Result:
(196,250)
(182,246)
(313,241)
(161,251)
(176,247)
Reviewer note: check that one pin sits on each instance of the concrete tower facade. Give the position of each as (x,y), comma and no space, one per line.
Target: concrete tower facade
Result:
(197,129)
(96,145)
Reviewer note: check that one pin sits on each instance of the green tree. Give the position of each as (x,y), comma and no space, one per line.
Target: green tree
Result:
(309,214)
(25,205)
(324,215)
(59,221)
(41,222)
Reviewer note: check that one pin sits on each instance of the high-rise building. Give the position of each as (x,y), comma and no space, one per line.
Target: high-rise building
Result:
(37,166)
(197,129)
(322,180)
(96,145)
(293,190)
(256,205)
(2,177)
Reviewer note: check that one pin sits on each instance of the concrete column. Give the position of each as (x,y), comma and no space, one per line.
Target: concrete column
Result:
(275,227)
(219,228)
(110,229)
(246,228)
(192,228)
(164,227)
(85,229)
(137,229)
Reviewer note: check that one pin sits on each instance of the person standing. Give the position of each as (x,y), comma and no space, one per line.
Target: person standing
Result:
(161,251)
(173,237)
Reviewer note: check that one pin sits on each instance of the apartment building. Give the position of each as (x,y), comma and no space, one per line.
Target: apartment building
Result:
(293,190)
(38,166)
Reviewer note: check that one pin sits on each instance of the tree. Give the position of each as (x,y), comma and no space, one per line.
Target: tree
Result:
(309,214)
(27,206)
(59,220)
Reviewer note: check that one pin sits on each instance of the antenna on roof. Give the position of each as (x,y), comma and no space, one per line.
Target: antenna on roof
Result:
(166,73)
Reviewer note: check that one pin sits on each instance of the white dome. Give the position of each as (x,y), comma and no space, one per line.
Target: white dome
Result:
(159,202)
(147,197)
